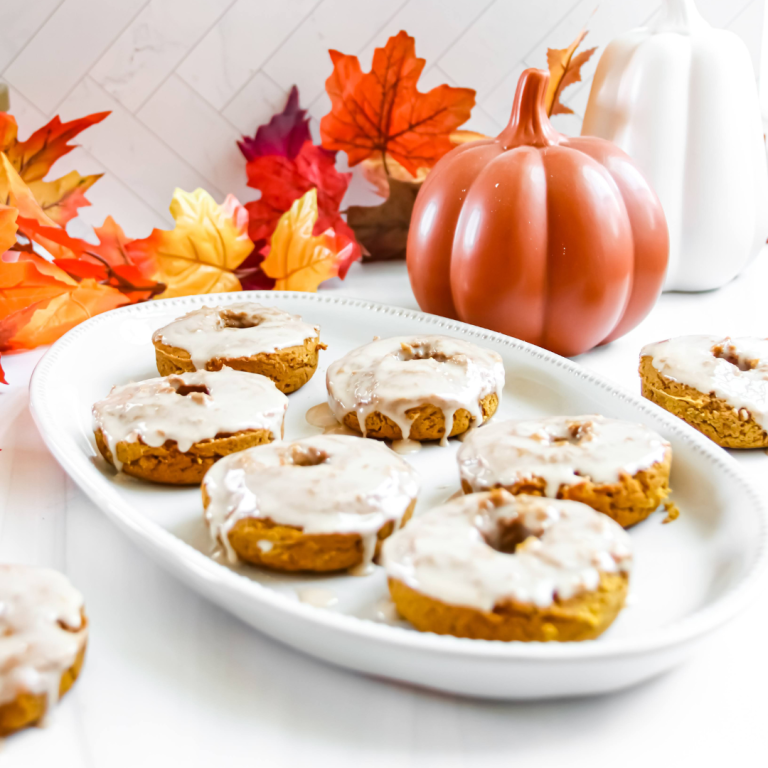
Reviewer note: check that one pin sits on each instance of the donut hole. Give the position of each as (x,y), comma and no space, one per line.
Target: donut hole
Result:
(232,319)
(189,389)
(728,353)
(508,535)
(420,352)
(308,456)
(578,432)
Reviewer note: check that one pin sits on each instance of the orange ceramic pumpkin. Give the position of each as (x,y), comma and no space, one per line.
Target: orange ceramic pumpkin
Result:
(554,240)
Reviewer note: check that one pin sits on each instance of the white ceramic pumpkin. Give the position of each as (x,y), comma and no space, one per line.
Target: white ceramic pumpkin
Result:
(680,98)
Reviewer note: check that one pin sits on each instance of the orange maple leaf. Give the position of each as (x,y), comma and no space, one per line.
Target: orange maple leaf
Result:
(8,227)
(34,157)
(382,111)
(108,261)
(202,252)
(297,259)
(63,312)
(23,283)
(564,70)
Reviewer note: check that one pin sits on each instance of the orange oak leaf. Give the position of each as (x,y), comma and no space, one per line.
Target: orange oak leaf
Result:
(201,254)
(382,111)
(33,158)
(297,259)
(564,70)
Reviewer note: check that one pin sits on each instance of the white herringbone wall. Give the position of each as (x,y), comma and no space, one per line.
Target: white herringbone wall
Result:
(184,78)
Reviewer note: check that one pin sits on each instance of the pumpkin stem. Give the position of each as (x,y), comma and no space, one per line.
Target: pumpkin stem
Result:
(679,16)
(529,123)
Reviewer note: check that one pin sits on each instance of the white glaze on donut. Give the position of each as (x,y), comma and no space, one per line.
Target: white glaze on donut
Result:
(237,330)
(321,484)
(394,375)
(735,370)
(563,450)
(446,553)
(154,411)
(41,631)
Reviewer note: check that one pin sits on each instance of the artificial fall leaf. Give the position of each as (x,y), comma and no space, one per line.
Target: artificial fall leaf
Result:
(34,157)
(8,226)
(23,283)
(564,70)
(61,198)
(377,173)
(283,180)
(15,193)
(201,253)
(284,135)
(63,312)
(383,229)
(382,111)
(107,262)
(299,260)
(250,273)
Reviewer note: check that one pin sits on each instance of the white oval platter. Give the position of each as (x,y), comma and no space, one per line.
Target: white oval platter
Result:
(689,577)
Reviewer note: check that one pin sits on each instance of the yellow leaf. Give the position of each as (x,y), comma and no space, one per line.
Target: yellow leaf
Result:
(564,70)
(14,192)
(7,227)
(299,260)
(61,198)
(201,253)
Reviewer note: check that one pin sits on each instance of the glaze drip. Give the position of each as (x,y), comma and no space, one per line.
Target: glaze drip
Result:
(321,484)
(488,548)
(189,407)
(563,450)
(393,375)
(735,370)
(42,631)
(237,330)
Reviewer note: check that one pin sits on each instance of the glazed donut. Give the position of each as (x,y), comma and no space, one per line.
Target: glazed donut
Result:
(43,634)
(323,503)
(243,336)
(172,429)
(415,387)
(493,566)
(616,467)
(717,385)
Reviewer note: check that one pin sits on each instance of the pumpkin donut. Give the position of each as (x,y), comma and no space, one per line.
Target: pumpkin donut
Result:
(493,566)
(243,336)
(324,503)
(415,387)
(616,467)
(717,385)
(172,429)
(43,635)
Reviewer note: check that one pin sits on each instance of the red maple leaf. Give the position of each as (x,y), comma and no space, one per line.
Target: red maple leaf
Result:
(283,135)
(283,180)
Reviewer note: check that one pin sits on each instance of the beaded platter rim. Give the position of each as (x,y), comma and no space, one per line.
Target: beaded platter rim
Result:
(174,551)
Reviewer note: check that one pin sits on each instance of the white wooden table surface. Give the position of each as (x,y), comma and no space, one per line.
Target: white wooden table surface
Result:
(171,680)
